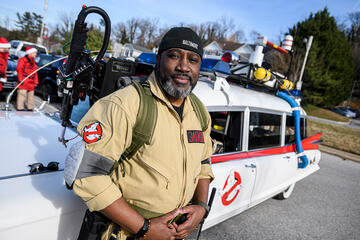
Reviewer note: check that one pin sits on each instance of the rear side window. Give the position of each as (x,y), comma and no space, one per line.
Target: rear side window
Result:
(264,130)
(23,48)
(226,131)
(40,50)
(290,129)
(14,44)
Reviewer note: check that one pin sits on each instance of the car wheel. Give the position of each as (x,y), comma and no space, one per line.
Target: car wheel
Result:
(285,194)
(46,91)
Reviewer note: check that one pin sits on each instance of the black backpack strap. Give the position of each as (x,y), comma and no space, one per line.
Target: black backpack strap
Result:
(200,111)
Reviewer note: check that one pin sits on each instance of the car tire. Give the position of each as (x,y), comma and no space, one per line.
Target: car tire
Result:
(285,194)
(46,91)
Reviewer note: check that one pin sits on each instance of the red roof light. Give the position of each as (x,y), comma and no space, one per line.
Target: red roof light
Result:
(226,57)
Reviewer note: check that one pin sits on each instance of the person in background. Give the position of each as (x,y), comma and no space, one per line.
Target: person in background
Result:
(26,66)
(4,55)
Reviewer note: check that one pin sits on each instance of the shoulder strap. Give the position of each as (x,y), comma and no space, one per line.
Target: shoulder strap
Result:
(200,111)
(145,120)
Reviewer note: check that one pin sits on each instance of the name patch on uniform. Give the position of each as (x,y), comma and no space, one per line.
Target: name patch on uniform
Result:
(92,132)
(195,136)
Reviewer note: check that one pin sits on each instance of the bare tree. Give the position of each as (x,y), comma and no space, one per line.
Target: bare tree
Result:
(227,26)
(63,30)
(254,35)
(147,32)
(5,23)
(120,32)
(237,36)
(132,27)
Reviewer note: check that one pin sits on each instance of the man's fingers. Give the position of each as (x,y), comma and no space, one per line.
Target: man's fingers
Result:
(186,226)
(169,216)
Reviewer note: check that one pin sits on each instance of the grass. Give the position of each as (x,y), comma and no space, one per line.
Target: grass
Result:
(339,137)
(324,113)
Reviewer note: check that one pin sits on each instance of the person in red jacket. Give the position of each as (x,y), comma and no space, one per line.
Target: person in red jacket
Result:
(4,55)
(26,65)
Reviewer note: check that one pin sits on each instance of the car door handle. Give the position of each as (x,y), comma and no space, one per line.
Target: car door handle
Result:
(250,166)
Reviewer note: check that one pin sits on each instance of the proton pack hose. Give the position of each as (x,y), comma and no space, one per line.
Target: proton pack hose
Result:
(296,113)
(76,80)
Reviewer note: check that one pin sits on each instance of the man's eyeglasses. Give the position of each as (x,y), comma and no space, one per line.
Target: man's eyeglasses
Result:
(39,167)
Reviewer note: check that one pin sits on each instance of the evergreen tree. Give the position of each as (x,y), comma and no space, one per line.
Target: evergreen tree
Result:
(328,74)
(95,39)
(29,25)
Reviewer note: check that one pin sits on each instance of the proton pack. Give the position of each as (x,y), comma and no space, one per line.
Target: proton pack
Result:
(81,76)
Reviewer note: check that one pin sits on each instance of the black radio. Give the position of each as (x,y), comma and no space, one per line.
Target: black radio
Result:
(114,69)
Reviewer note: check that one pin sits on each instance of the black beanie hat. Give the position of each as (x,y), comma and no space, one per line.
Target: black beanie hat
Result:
(181,37)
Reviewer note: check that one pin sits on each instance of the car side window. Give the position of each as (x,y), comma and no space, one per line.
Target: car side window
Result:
(290,129)
(264,130)
(226,131)
(14,44)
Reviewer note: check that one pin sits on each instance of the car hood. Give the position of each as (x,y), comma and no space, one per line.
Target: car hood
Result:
(11,65)
(27,138)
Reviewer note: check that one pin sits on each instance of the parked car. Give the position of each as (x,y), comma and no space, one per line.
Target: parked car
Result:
(345,112)
(47,76)
(356,111)
(150,58)
(11,74)
(18,48)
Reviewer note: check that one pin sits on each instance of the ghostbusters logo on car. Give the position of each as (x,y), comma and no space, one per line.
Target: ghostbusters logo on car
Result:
(231,188)
(92,132)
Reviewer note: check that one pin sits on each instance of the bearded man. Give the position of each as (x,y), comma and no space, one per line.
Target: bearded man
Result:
(169,175)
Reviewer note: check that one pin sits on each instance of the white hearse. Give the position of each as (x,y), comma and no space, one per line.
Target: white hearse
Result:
(257,157)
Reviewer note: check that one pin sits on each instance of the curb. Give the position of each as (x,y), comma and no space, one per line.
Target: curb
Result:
(339,153)
(329,121)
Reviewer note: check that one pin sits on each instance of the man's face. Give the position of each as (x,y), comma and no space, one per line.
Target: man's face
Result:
(4,50)
(178,71)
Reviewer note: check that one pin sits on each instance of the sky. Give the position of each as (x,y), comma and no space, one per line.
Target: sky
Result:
(269,18)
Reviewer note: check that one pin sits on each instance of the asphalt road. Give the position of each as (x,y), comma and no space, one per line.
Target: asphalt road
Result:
(325,205)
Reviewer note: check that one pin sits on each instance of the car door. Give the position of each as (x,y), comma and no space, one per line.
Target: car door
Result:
(234,172)
(275,164)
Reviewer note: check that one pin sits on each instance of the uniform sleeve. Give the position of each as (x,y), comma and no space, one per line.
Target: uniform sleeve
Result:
(107,131)
(19,69)
(206,171)
(2,68)
(36,77)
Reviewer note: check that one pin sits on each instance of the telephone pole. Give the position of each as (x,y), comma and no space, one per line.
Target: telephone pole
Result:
(40,39)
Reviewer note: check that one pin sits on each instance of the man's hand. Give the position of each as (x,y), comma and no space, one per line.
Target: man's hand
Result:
(160,229)
(194,217)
